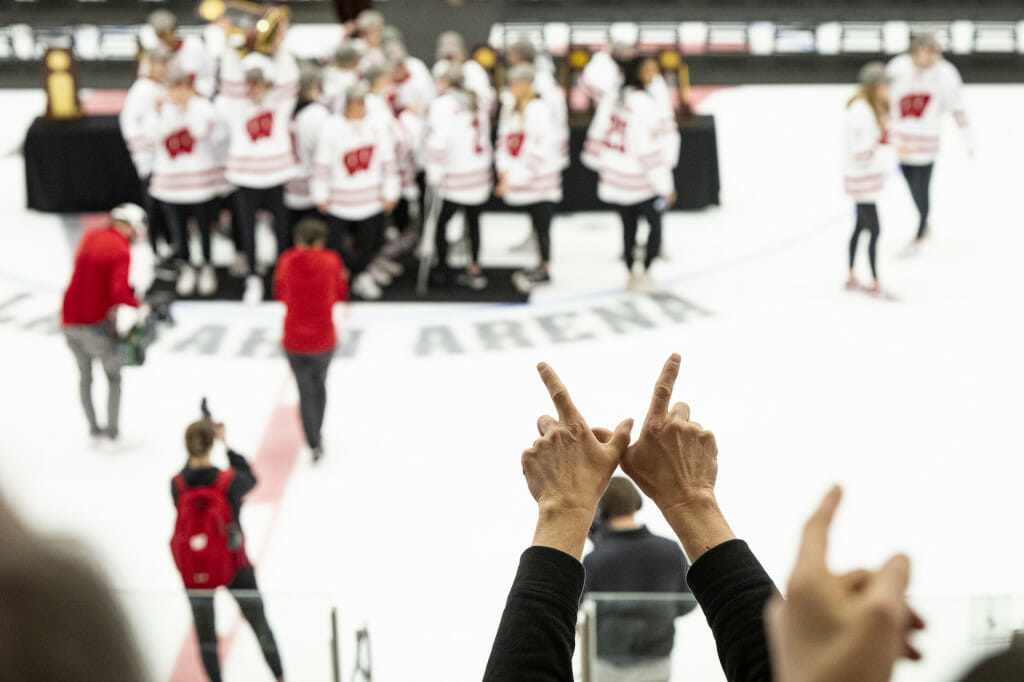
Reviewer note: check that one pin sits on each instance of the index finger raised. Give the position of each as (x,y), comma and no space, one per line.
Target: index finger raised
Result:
(815,539)
(663,388)
(567,411)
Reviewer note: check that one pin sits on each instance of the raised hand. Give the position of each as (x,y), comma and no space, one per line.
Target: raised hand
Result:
(675,463)
(842,628)
(568,468)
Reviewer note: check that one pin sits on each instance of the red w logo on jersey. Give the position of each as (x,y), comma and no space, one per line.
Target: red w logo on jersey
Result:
(616,137)
(179,142)
(260,125)
(358,159)
(515,143)
(913,106)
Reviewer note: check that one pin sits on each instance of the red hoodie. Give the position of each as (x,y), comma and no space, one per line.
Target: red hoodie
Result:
(309,281)
(100,279)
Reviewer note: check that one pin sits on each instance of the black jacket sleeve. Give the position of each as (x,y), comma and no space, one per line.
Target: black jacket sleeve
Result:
(243,482)
(537,633)
(733,589)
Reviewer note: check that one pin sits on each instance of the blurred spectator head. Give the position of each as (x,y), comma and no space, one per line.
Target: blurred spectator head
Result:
(157,60)
(348,55)
(522,51)
(390,34)
(259,75)
(395,51)
(59,620)
(925,49)
(310,81)
(620,500)
(199,437)
(311,232)
(874,81)
(131,220)
(355,101)
(451,46)
(622,52)
(449,75)
(165,25)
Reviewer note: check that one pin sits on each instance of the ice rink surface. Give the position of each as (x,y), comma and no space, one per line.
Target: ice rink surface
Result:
(414,522)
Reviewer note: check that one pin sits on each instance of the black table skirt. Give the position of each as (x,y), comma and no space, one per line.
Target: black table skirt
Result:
(697,182)
(78,166)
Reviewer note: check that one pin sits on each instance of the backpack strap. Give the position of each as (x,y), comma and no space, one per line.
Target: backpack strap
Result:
(224,480)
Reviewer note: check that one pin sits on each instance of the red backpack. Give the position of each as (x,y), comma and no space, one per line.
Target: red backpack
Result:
(203,535)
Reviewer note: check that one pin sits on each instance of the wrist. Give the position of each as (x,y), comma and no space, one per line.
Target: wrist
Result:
(699,523)
(562,528)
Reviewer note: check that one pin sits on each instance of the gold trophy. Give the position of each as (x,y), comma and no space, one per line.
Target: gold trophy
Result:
(254,25)
(61,86)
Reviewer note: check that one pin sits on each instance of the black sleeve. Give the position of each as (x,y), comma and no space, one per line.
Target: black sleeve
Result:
(174,493)
(537,633)
(733,589)
(244,480)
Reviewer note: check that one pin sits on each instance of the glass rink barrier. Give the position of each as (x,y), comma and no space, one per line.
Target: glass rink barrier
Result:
(655,637)
(311,638)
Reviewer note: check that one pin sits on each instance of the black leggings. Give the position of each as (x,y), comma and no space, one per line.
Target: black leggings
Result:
(176,217)
(251,605)
(368,235)
(542,214)
(472,218)
(919,179)
(630,219)
(155,215)
(248,200)
(867,219)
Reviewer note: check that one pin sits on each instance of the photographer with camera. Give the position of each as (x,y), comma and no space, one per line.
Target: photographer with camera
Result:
(99,284)
(208,544)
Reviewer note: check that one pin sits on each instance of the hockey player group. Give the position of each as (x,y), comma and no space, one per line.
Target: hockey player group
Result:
(219,133)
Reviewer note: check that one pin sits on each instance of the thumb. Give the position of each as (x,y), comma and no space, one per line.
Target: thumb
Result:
(620,438)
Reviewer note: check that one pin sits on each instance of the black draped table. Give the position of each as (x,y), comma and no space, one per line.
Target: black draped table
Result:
(78,166)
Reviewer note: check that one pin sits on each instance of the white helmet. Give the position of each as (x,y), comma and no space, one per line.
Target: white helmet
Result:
(133,215)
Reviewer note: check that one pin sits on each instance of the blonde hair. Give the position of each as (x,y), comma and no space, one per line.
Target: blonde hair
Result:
(199,437)
(878,104)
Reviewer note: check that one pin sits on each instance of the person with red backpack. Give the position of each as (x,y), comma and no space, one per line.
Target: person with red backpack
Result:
(209,547)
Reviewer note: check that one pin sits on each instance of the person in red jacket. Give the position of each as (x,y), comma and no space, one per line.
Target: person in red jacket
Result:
(309,280)
(98,285)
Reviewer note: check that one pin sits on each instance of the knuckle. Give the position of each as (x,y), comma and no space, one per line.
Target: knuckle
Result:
(663,391)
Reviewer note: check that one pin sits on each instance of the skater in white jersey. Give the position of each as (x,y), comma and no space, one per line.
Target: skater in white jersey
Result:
(864,162)
(451,48)
(625,146)
(924,87)
(143,96)
(260,158)
(355,183)
(308,120)
(188,53)
(459,157)
(529,164)
(341,75)
(187,174)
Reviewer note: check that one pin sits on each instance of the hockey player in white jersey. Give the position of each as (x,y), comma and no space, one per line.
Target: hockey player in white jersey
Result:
(142,98)
(190,53)
(187,174)
(864,161)
(308,120)
(547,87)
(356,182)
(451,48)
(260,157)
(924,87)
(459,158)
(529,165)
(624,145)
(341,75)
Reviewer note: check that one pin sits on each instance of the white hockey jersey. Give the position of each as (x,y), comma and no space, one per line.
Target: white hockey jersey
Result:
(305,129)
(919,98)
(260,144)
(528,153)
(624,146)
(476,79)
(407,134)
(417,91)
(186,169)
(864,162)
(459,153)
(232,79)
(354,170)
(669,130)
(142,99)
(600,77)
